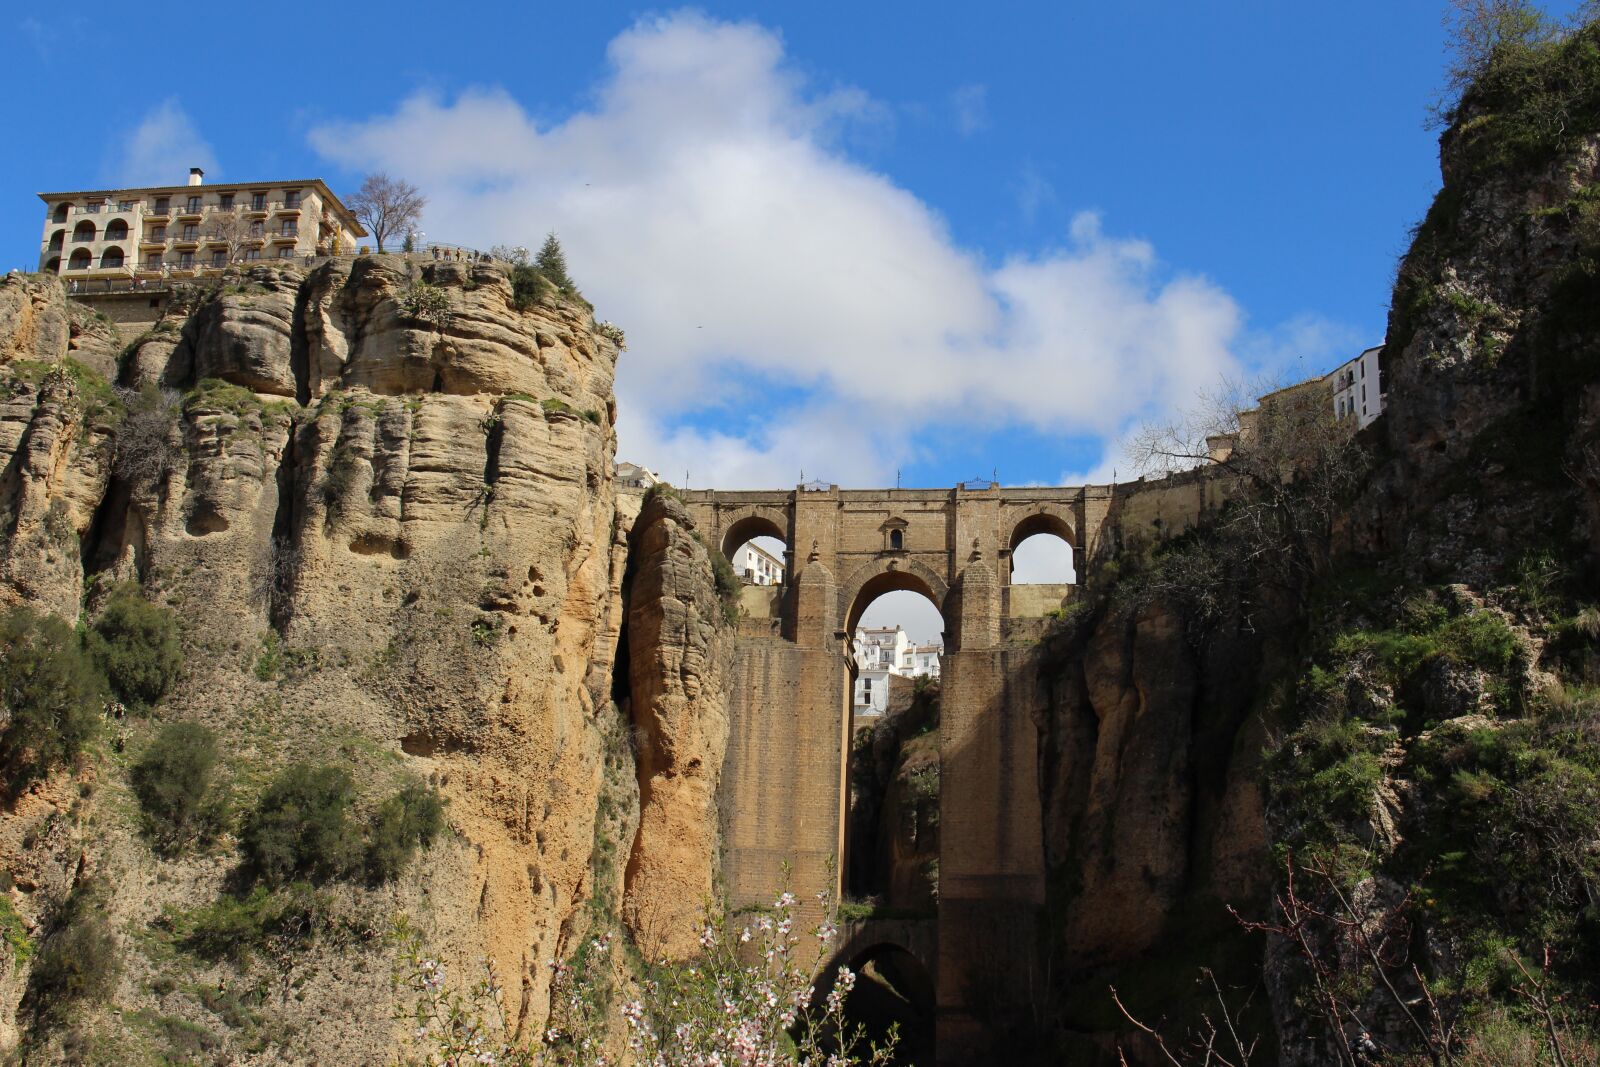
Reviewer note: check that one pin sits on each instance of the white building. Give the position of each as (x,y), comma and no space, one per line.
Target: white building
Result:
(633,476)
(756,566)
(886,652)
(1358,389)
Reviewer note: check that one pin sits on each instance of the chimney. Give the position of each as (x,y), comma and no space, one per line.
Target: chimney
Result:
(196,175)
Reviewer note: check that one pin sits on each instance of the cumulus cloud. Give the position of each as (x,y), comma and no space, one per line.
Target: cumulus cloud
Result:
(161,149)
(787,307)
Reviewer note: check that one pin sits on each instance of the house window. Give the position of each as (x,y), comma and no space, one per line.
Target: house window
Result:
(289,229)
(252,253)
(152,261)
(163,205)
(185,260)
(190,231)
(896,540)
(158,233)
(219,258)
(1363,369)
(194,205)
(226,203)
(256,229)
(124,205)
(291,198)
(258,201)
(285,251)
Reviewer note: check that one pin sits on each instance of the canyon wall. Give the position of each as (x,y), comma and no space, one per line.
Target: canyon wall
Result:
(379,496)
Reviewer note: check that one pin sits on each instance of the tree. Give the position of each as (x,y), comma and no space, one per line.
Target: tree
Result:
(387,206)
(232,231)
(50,696)
(1480,33)
(552,263)
(1289,465)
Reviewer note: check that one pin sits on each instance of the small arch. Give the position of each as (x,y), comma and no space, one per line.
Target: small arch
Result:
(57,239)
(52,265)
(897,540)
(111,258)
(893,988)
(752,526)
(60,214)
(83,232)
(116,230)
(80,260)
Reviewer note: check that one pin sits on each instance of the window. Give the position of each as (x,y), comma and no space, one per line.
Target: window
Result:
(256,229)
(1363,393)
(186,260)
(219,257)
(252,253)
(124,205)
(61,213)
(191,231)
(289,229)
(291,198)
(1363,368)
(258,201)
(226,203)
(152,261)
(285,251)
(194,205)
(163,205)
(896,540)
(158,233)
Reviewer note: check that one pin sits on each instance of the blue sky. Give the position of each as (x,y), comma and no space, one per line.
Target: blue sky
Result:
(859,241)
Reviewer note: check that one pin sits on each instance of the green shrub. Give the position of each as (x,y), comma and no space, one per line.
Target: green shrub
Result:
(78,962)
(529,288)
(301,826)
(410,819)
(234,928)
(52,692)
(728,586)
(175,781)
(136,643)
(14,932)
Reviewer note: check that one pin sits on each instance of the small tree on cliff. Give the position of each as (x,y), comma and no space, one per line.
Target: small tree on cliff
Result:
(1288,468)
(387,206)
(552,263)
(1481,34)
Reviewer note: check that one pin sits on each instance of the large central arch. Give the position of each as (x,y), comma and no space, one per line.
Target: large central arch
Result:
(872,580)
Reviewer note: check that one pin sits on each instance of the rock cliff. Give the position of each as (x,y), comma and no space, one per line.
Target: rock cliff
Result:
(379,497)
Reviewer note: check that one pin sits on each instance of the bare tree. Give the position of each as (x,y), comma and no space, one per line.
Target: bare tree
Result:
(387,206)
(1291,464)
(232,230)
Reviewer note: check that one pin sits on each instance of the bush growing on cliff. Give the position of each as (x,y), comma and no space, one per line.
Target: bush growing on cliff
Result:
(301,826)
(175,781)
(409,820)
(146,448)
(79,961)
(136,643)
(52,693)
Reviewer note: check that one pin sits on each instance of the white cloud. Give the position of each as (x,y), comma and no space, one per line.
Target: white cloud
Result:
(971,106)
(705,205)
(161,149)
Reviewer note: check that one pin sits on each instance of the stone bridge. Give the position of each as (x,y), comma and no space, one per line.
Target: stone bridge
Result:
(785,789)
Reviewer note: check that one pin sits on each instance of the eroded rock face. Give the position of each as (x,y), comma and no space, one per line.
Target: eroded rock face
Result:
(395,543)
(679,658)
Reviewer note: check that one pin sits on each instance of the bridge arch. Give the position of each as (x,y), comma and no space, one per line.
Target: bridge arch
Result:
(895,963)
(872,580)
(752,522)
(1047,520)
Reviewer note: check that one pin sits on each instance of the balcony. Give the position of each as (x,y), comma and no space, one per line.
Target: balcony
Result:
(286,209)
(286,235)
(152,239)
(191,212)
(83,238)
(160,212)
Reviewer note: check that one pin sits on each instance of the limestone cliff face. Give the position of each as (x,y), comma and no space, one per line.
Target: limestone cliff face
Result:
(680,652)
(392,541)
